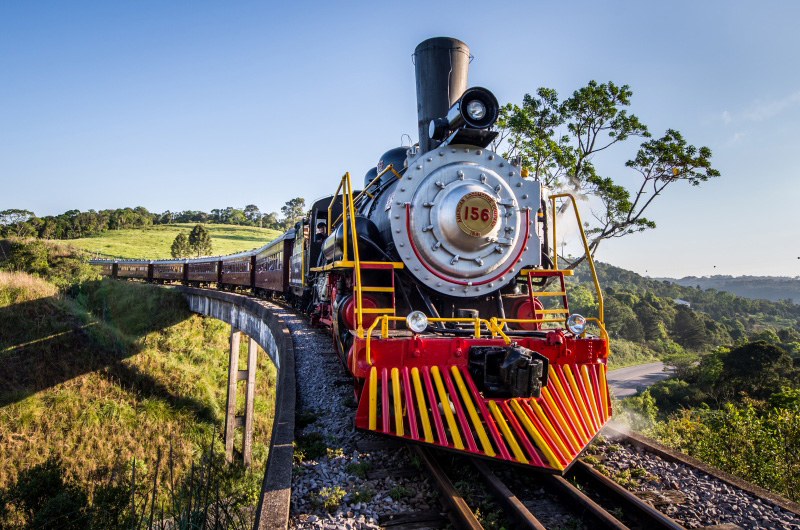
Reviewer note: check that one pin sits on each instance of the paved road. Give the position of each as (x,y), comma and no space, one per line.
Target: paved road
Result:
(625,382)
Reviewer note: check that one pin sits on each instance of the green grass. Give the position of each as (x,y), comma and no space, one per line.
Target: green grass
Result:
(121,370)
(155,242)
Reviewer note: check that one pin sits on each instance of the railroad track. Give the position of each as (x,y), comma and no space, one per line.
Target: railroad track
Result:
(584,498)
(571,489)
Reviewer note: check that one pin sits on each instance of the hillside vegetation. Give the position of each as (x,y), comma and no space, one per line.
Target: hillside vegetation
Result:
(734,397)
(102,376)
(154,242)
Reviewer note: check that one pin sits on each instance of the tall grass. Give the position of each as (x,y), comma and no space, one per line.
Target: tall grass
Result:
(120,371)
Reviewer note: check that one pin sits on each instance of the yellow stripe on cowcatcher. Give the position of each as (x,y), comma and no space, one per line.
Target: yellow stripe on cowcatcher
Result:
(548,431)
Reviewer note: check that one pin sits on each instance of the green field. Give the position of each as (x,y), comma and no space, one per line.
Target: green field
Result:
(155,242)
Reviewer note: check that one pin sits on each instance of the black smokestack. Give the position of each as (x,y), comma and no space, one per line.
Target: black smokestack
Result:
(441,67)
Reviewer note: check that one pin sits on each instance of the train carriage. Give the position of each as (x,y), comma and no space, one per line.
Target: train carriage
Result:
(134,269)
(202,271)
(238,269)
(169,270)
(271,264)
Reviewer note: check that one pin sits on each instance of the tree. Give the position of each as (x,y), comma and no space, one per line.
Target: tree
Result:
(758,368)
(16,221)
(293,211)
(181,247)
(200,241)
(270,220)
(557,142)
(252,214)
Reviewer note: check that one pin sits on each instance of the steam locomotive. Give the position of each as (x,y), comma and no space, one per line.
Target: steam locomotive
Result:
(439,287)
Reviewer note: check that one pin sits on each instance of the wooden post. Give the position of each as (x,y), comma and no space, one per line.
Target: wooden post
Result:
(233,377)
(249,398)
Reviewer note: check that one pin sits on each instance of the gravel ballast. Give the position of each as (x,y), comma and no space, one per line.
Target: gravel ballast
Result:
(704,500)
(334,490)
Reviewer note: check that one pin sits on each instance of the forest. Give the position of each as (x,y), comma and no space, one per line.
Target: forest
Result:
(75,224)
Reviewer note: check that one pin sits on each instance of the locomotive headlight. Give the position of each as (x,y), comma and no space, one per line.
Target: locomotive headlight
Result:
(576,324)
(417,321)
(476,109)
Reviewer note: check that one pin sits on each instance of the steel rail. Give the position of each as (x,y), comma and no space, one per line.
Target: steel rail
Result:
(581,500)
(458,509)
(517,512)
(635,508)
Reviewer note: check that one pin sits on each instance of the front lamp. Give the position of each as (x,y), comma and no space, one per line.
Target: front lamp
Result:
(476,109)
(576,324)
(417,321)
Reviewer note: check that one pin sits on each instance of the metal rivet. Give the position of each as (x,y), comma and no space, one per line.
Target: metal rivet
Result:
(525,196)
(402,189)
(441,153)
(409,177)
(510,173)
(491,284)
(478,152)
(438,284)
(401,244)
(430,159)
(397,231)
(491,157)
(466,150)
(502,164)
(419,166)
(453,151)
(416,268)
(452,288)
(519,184)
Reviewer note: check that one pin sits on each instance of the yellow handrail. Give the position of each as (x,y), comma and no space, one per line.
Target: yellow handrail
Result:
(494,326)
(373,181)
(348,211)
(585,247)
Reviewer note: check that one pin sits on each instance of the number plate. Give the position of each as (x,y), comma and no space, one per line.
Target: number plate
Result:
(476,213)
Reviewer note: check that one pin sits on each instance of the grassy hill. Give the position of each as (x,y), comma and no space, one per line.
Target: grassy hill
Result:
(155,242)
(115,372)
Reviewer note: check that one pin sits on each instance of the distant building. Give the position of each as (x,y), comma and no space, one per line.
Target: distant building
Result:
(682,302)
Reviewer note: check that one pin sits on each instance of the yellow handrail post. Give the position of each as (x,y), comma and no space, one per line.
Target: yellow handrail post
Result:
(351,213)
(585,247)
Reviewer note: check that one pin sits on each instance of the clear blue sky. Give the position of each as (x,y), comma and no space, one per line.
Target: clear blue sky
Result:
(202,105)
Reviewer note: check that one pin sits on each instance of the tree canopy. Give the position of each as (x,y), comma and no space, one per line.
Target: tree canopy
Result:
(200,241)
(180,247)
(557,142)
(293,211)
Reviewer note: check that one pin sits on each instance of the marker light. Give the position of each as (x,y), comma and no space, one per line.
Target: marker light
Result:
(576,324)
(417,321)
(476,109)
